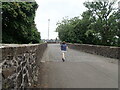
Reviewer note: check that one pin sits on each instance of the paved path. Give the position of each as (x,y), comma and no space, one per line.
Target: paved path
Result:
(80,70)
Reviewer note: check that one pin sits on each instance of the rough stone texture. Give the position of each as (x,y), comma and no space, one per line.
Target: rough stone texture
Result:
(20,65)
(0,69)
(107,51)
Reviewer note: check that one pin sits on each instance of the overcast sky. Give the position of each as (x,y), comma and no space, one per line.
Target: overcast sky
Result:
(55,10)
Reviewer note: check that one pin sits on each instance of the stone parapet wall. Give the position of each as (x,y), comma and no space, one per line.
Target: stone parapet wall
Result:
(107,51)
(20,65)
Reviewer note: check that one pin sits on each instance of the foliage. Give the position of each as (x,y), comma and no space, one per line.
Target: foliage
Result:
(100,25)
(18,22)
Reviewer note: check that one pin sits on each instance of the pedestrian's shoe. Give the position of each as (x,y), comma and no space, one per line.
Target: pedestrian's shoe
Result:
(63,59)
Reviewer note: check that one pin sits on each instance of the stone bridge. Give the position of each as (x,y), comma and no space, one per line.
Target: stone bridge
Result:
(21,66)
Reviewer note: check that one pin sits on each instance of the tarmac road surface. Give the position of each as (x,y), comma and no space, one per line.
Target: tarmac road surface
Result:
(80,70)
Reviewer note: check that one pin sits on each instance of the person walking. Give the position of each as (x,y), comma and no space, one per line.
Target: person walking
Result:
(63,49)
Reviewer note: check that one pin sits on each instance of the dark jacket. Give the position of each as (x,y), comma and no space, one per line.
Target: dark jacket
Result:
(63,47)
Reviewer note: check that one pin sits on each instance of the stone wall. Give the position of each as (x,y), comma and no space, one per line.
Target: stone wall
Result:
(107,51)
(20,65)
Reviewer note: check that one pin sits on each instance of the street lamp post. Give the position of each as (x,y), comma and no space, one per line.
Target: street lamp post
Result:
(119,5)
(48,27)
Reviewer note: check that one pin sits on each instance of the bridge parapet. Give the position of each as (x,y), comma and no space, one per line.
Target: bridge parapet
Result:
(20,64)
(107,51)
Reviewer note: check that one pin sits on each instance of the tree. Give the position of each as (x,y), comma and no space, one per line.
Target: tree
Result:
(102,10)
(66,30)
(18,22)
(99,25)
